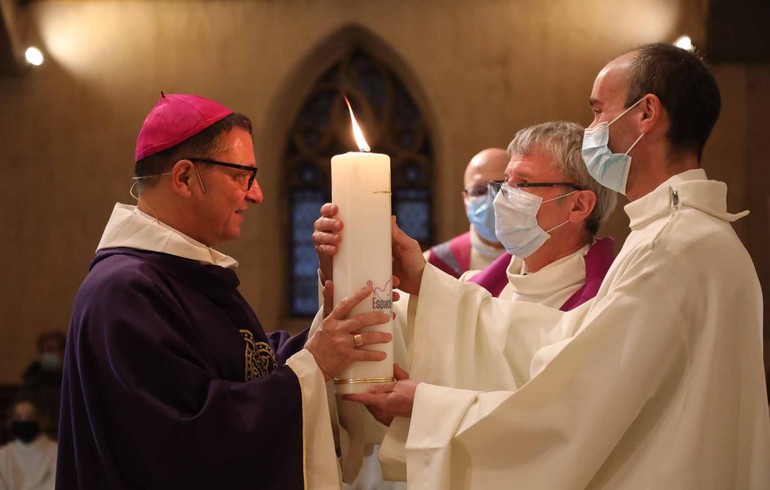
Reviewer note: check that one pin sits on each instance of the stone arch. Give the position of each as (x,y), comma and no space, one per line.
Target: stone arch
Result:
(348,43)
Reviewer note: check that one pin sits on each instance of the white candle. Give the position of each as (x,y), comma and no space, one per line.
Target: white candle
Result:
(361,190)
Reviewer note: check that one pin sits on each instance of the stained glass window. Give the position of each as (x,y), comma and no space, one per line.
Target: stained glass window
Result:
(392,123)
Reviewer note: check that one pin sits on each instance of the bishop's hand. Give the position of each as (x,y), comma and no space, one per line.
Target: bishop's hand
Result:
(338,341)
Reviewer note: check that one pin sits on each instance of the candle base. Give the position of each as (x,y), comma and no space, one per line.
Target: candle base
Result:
(350,386)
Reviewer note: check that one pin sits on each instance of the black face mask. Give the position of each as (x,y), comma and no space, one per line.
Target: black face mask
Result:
(26,431)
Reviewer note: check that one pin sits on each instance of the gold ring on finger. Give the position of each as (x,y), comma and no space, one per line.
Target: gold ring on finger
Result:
(358,340)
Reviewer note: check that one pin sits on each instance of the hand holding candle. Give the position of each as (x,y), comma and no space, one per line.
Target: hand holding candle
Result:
(331,345)
(361,190)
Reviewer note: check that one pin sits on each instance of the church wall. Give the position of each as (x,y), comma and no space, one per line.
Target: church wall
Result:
(484,69)
(736,154)
(758,181)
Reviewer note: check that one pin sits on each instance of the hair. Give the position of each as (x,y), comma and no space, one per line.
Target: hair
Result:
(686,89)
(203,144)
(55,335)
(562,142)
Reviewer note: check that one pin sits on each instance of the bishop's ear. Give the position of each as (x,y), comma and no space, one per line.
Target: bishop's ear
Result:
(182,177)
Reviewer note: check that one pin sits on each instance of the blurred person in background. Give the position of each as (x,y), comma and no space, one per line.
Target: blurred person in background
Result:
(29,461)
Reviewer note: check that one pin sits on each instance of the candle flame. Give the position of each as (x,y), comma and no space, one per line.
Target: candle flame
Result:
(357,134)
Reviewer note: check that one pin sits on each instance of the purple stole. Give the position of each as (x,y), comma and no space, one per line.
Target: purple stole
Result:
(495,276)
(453,256)
(598,260)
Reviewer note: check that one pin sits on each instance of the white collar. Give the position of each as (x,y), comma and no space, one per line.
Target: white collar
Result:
(567,271)
(130,227)
(34,445)
(687,189)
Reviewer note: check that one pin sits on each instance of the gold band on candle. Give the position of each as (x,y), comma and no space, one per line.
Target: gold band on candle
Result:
(353,381)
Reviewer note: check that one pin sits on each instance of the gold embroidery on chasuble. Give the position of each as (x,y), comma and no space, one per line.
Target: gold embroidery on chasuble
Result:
(259,358)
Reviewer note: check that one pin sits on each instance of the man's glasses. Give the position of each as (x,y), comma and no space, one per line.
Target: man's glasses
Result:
(476,191)
(245,180)
(494,186)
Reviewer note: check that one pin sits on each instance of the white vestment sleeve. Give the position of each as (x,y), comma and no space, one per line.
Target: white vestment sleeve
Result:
(429,460)
(392,452)
(462,337)
(321,469)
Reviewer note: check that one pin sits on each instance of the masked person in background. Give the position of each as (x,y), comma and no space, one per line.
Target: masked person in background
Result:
(478,247)
(29,461)
(43,377)
(658,381)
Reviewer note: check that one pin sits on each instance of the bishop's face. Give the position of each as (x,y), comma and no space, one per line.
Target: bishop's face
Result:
(220,210)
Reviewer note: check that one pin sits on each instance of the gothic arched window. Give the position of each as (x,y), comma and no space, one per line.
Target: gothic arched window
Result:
(392,123)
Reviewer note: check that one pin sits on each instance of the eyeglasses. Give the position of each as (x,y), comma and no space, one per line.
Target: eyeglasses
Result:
(245,180)
(476,191)
(494,186)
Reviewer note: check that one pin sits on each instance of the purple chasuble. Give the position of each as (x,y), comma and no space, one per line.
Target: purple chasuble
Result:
(598,261)
(170,382)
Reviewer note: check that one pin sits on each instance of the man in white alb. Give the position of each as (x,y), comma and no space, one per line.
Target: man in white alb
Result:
(658,381)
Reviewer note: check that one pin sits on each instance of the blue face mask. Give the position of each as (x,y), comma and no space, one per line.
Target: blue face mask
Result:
(481,214)
(607,168)
(516,221)
(50,361)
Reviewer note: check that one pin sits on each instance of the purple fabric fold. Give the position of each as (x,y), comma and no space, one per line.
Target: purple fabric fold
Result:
(495,276)
(598,261)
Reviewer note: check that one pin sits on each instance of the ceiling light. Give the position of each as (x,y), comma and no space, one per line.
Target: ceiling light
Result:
(34,56)
(684,42)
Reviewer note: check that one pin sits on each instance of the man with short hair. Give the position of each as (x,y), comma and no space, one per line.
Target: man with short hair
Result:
(548,211)
(560,234)
(655,383)
(169,379)
(478,247)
